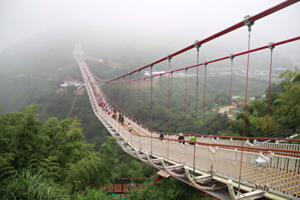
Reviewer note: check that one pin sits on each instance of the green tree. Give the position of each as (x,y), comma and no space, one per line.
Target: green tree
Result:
(287,103)
(95,195)
(222,99)
(168,189)
(215,122)
(29,184)
(94,170)
(55,149)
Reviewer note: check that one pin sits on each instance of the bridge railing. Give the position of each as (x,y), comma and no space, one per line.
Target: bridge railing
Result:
(146,144)
(248,142)
(203,157)
(231,142)
(280,173)
(293,147)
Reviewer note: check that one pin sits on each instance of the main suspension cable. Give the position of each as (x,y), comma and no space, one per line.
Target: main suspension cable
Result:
(256,17)
(226,57)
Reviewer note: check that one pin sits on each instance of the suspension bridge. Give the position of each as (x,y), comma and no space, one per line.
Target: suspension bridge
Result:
(225,167)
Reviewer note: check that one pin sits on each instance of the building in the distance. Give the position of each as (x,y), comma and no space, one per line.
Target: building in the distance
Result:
(279,70)
(241,104)
(147,73)
(70,82)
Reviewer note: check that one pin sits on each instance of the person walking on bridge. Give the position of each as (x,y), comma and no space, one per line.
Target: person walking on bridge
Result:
(181,138)
(192,139)
(129,127)
(161,135)
(113,113)
(120,116)
(122,119)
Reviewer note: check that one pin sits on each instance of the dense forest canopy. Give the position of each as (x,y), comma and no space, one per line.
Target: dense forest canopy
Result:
(49,154)
(283,109)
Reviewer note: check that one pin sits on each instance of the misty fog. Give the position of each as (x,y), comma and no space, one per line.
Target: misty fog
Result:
(154,27)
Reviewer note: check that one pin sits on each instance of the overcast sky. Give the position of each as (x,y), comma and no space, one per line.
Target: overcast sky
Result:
(187,19)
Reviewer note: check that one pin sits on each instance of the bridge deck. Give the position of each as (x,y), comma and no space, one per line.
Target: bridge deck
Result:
(278,177)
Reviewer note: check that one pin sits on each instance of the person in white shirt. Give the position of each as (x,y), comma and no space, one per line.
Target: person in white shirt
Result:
(129,127)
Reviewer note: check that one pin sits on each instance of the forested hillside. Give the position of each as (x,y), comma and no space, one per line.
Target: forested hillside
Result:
(36,157)
(283,109)
(31,73)
(51,161)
